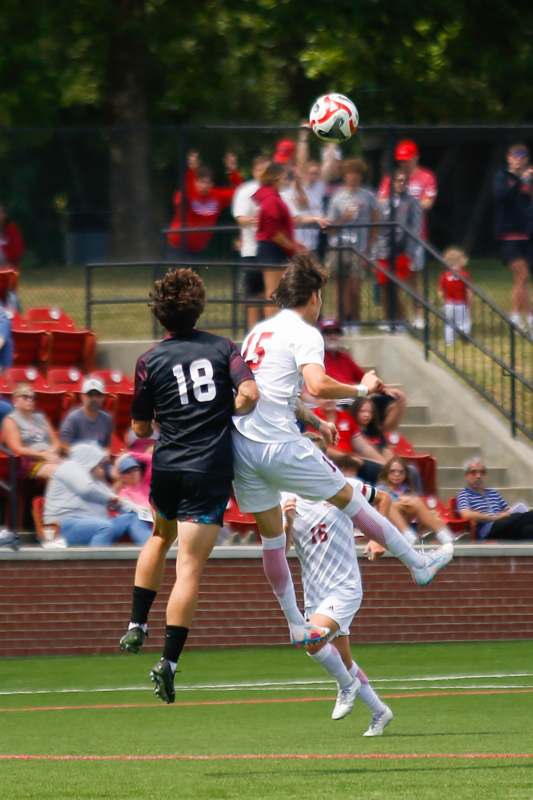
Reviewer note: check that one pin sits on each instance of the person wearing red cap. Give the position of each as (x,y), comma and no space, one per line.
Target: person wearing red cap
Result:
(422,185)
(285,152)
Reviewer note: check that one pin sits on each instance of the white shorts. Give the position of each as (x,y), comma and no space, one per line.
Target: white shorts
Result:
(341,607)
(263,471)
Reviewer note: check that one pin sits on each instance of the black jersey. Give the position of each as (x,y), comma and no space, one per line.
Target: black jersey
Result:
(186,383)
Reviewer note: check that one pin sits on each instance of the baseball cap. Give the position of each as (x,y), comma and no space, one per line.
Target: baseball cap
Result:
(126,463)
(330,326)
(284,151)
(92,385)
(406,150)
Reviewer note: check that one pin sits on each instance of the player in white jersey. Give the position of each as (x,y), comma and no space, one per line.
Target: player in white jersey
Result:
(324,541)
(270,454)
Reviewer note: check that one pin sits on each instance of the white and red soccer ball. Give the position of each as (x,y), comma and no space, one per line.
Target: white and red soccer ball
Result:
(333,118)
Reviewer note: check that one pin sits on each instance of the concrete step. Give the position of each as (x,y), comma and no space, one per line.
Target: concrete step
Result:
(416,414)
(513,494)
(454,476)
(452,455)
(423,435)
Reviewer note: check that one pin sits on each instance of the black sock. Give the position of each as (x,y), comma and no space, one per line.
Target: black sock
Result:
(141,604)
(175,638)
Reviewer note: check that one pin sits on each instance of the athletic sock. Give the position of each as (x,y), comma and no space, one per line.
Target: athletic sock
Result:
(410,535)
(366,692)
(279,576)
(175,638)
(329,658)
(141,604)
(444,536)
(381,530)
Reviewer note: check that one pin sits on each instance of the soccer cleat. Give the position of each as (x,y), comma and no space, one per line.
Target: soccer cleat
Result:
(133,639)
(307,634)
(346,699)
(379,723)
(435,561)
(163,678)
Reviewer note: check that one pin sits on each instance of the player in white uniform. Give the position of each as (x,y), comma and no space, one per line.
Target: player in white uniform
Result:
(324,541)
(271,455)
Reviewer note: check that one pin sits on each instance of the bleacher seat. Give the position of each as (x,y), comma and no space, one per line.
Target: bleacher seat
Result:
(114,380)
(53,403)
(427,469)
(50,318)
(8,282)
(399,444)
(30,346)
(69,379)
(72,348)
(237,520)
(31,375)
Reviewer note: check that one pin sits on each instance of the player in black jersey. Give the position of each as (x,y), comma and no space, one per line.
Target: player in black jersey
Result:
(191,383)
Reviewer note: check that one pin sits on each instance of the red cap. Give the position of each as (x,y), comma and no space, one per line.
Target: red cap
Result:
(330,326)
(406,150)
(284,151)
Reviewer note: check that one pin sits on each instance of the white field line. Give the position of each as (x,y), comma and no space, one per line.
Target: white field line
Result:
(399,683)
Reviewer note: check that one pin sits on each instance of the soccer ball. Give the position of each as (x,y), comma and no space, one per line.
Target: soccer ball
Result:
(333,118)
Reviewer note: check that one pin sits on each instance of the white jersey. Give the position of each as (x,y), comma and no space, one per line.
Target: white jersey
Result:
(275,350)
(243,206)
(325,545)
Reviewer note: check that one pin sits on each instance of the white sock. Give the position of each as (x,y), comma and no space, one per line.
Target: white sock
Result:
(279,576)
(366,692)
(143,625)
(515,317)
(382,531)
(330,659)
(173,665)
(444,535)
(410,535)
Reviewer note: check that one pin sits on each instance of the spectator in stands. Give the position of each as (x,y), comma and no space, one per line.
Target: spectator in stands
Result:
(407,212)
(89,422)
(396,480)
(78,499)
(422,185)
(285,154)
(204,203)
(6,340)
(339,364)
(364,413)
(514,227)
(245,210)
(275,229)
(5,409)
(29,435)
(134,471)
(11,241)
(493,516)
(455,294)
(305,199)
(352,204)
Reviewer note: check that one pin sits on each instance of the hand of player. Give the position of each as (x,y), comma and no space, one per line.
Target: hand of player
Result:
(329,432)
(373,551)
(193,159)
(372,382)
(230,161)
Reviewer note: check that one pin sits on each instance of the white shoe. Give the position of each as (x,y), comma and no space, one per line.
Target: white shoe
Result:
(379,723)
(56,544)
(306,634)
(346,699)
(435,561)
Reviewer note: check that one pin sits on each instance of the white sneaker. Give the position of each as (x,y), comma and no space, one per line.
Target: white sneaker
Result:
(379,723)
(346,699)
(435,561)
(56,544)
(306,634)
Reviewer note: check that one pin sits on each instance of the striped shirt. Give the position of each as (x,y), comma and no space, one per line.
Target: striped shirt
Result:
(489,501)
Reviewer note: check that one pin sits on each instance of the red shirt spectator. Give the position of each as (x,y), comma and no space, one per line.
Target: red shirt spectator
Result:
(338,363)
(11,242)
(346,425)
(204,204)
(452,286)
(274,216)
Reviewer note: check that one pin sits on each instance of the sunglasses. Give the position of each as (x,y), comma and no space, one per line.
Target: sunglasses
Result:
(477,471)
(27,396)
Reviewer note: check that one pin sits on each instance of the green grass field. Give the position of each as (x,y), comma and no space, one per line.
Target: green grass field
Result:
(243,727)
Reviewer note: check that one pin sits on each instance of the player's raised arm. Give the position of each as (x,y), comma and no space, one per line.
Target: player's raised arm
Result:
(322,386)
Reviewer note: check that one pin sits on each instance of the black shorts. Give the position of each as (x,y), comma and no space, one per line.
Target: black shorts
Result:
(253,279)
(190,496)
(515,249)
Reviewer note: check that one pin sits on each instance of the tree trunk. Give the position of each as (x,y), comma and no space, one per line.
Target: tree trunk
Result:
(133,232)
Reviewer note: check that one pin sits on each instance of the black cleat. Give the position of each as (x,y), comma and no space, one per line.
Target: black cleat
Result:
(133,639)
(163,678)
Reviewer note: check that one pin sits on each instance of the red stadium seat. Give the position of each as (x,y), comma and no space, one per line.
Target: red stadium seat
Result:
(237,520)
(53,404)
(69,379)
(114,380)
(71,348)
(8,282)
(30,375)
(31,347)
(50,318)
(400,445)
(455,517)
(427,468)
(122,411)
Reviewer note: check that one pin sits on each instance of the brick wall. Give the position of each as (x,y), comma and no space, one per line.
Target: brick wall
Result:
(82,606)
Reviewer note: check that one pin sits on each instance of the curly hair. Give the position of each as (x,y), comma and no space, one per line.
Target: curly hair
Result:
(384,474)
(178,299)
(303,276)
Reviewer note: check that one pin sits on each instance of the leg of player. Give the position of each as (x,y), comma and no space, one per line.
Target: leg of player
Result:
(381,714)
(278,574)
(148,576)
(196,542)
(331,660)
(423,567)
